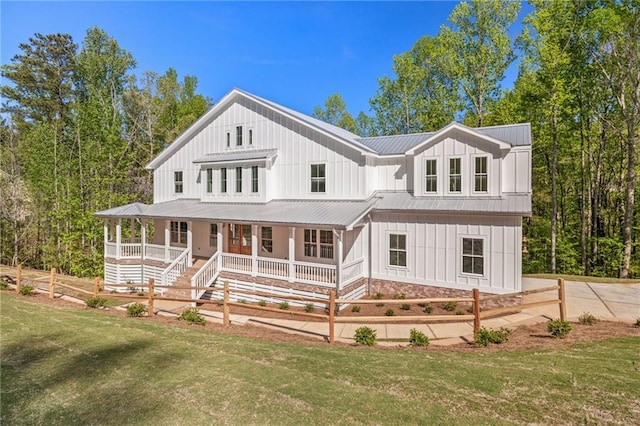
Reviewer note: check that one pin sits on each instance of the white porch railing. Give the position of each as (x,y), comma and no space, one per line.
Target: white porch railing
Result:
(155,252)
(352,271)
(130,250)
(236,262)
(134,251)
(313,273)
(273,268)
(176,268)
(205,276)
(110,249)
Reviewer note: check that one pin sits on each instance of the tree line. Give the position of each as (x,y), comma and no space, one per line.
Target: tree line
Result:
(78,127)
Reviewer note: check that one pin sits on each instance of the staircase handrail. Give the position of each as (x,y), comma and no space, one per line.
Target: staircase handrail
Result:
(174,265)
(206,275)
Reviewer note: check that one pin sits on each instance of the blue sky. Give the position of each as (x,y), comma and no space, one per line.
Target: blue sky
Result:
(293,53)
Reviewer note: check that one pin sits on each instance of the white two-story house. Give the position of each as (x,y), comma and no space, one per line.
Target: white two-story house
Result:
(267,197)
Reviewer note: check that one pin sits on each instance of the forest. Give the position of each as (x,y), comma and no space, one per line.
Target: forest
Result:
(79,123)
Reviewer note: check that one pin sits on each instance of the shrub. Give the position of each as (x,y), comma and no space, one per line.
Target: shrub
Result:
(309,307)
(141,293)
(262,303)
(405,306)
(418,338)
(3,284)
(284,305)
(486,336)
(459,313)
(422,305)
(559,328)
(449,306)
(136,310)
(637,323)
(399,296)
(378,296)
(365,336)
(27,290)
(587,319)
(379,305)
(355,308)
(242,300)
(390,313)
(192,315)
(428,309)
(96,302)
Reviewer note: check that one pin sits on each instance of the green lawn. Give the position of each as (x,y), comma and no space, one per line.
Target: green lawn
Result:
(65,366)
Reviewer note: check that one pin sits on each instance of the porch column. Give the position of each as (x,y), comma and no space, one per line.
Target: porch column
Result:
(118,237)
(190,242)
(132,230)
(220,245)
(292,254)
(167,240)
(254,250)
(105,223)
(339,237)
(143,242)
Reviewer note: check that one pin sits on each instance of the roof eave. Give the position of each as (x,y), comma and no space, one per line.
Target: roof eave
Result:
(456,126)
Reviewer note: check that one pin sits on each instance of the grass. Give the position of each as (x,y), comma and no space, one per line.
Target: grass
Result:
(586,279)
(67,366)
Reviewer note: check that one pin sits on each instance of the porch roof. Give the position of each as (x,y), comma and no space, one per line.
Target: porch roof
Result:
(126,211)
(514,204)
(234,157)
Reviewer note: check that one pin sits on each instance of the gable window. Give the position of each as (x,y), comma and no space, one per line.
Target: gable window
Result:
(223,180)
(213,235)
(254,179)
(179,232)
(318,242)
(250,136)
(238,179)
(481,174)
(177,182)
(472,256)
(431,177)
(239,136)
(318,178)
(455,175)
(267,239)
(228,139)
(397,250)
(209,181)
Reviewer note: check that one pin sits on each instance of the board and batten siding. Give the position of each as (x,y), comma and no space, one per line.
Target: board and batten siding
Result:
(288,178)
(516,170)
(434,252)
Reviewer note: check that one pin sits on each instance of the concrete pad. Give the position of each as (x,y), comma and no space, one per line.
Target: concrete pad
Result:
(529,283)
(577,290)
(625,311)
(442,331)
(317,327)
(516,318)
(578,306)
(398,331)
(450,341)
(617,293)
(496,323)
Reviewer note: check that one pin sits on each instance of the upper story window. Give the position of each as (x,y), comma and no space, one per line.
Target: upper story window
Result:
(318,178)
(179,232)
(318,241)
(228,139)
(431,177)
(254,179)
(223,180)
(239,136)
(267,239)
(480,174)
(473,256)
(238,179)
(250,136)
(177,182)
(209,181)
(397,250)
(455,175)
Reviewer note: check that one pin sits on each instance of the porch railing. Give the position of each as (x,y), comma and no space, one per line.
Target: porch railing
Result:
(236,262)
(134,251)
(176,268)
(130,250)
(352,271)
(205,276)
(313,273)
(273,268)
(155,252)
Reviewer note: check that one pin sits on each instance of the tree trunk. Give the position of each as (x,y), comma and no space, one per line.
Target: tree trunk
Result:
(629,199)
(554,190)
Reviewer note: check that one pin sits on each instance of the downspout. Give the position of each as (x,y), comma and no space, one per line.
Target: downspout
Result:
(369,262)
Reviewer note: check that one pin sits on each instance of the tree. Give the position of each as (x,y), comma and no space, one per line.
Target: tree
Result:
(335,112)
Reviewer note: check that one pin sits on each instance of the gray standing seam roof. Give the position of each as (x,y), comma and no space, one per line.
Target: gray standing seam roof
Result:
(403,201)
(259,154)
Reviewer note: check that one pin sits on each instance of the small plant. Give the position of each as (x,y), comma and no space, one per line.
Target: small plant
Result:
(242,300)
(3,284)
(559,328)
(399,296)
(405,306)
(27,290)
(470,309)
(637,323)
(365,336)
(96,302)
(428,309)
(355,308)
(587,319)
(422,305)
(136,310)
(309,307)
(486,336)
(449,306)
(141,293)
(418,338)
(378,296)
(192,315)
(284,305)
(220,302)
(390,313)
(459,313)
(262,303)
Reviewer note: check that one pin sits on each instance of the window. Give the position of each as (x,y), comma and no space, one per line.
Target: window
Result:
(250,136)
(228,139)
(223,180)
(322,243)
(397,250)
(318,178)
(239,136)
(254,178)
(238,179)
(179,232)
(177,182)
(431,177)
(213,235)
(326,244)
(209,181)
(472,256)
(267,239)
(310,243)
(481,174)
(455,175)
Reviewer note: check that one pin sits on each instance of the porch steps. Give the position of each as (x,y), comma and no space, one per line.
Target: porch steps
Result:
(185,280)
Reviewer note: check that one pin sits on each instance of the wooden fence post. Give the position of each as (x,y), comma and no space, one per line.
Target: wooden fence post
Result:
(151,296)
(332,315)
(225,305)
(18,278)
(476,311)
(96,286)
(52,279)
(563,301)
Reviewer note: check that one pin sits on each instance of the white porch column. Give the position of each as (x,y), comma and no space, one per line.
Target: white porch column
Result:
(118,237)
(254,250)
(292,254)
(220,245)
(190,242)
(132,229)
(339,237)
(143,243)
(106,235)
(167,240)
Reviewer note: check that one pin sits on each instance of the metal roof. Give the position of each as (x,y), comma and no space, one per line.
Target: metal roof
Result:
(243,156)
(129,210)
(515,134)
(403,201)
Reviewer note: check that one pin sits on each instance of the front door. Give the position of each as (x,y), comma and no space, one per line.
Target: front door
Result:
(240,239)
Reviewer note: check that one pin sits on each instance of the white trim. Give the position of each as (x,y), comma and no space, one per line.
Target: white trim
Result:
(387,250)
(485,256)
(448,159)
(452,127)
(438,176)
(473,174)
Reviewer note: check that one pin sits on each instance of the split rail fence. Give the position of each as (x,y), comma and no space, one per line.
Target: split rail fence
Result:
(331,318)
